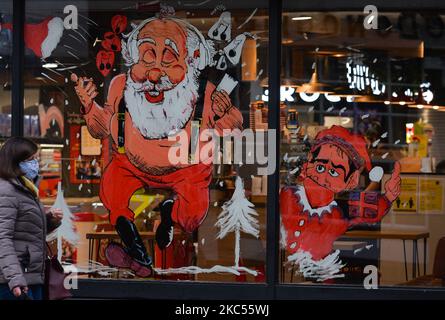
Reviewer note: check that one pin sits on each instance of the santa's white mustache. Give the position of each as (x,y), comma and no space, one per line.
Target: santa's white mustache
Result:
(163,84)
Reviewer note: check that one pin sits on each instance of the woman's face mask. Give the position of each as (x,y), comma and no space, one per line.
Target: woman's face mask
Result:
(30,168)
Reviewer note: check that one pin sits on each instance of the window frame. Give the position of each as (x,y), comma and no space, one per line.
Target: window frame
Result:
(272,288)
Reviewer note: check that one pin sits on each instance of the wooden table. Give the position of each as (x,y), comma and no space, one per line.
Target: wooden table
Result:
(348,245)
(97,237)
(403,235)
(72,200)
(149,236)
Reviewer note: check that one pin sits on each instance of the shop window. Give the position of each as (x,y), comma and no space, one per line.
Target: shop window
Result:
(362,184)
(5,67)
(115,91)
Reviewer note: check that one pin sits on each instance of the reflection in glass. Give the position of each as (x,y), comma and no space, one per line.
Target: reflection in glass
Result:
(358,161)
(5,67)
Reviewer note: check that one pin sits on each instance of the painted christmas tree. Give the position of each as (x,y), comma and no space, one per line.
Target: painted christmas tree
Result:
(66,231)
(238,215)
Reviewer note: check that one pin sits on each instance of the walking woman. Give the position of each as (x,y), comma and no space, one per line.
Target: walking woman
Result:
(24,223)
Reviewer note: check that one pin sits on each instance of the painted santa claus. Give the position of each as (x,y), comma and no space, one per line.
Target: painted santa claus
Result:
(157,98)
(311,219)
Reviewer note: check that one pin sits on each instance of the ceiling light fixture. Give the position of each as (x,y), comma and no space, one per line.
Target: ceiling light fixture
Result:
(314,85)
(50,65)
(301,18)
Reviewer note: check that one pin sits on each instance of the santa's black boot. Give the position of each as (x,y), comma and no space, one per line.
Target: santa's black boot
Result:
(164,232)
(133,242)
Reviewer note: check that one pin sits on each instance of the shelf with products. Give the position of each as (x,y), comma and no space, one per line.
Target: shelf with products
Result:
(258,113)
(50,169)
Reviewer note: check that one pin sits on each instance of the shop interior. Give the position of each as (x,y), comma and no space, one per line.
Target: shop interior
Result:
(386,84)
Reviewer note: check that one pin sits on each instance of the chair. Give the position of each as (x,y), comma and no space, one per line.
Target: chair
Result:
(437,278)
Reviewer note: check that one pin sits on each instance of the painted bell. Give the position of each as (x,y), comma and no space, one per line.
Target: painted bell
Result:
(234,49)
(221,30)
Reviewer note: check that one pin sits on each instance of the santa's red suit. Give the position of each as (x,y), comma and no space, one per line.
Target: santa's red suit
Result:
(315,230)
(190,185)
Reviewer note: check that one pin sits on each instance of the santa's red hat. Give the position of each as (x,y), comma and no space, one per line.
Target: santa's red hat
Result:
(353,145)
(42,38)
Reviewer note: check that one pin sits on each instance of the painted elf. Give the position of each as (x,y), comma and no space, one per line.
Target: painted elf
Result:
(311,220)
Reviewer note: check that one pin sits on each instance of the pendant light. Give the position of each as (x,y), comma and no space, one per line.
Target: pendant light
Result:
(314,85)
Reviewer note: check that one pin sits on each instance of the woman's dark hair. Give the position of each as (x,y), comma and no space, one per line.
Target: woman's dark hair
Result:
(14,151)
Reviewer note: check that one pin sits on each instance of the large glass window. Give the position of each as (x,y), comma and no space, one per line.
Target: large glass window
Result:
(5,67)
(362,184)
(133,104)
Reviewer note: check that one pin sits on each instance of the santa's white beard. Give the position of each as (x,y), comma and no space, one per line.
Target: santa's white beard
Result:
(159,120)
